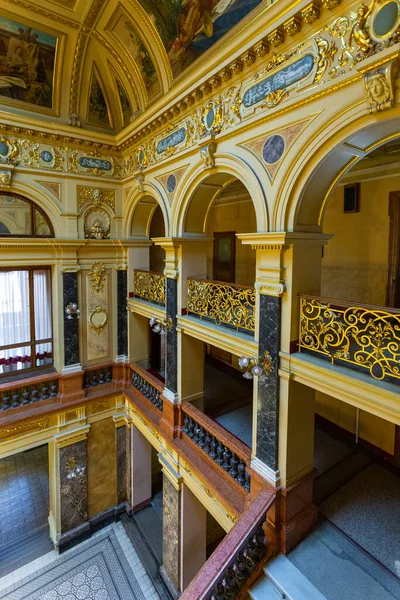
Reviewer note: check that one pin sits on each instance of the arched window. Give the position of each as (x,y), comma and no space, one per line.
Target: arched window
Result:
(22,218)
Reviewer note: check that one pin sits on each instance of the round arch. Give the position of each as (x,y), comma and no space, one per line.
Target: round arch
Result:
(322,162)
(141,207)
(32,194)
(198,190)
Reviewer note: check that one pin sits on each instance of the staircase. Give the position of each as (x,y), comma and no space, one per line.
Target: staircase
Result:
(24,550)
(283,580)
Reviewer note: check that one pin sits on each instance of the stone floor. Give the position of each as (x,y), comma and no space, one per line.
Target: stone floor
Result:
(105,567)
(239,422)
(24,493)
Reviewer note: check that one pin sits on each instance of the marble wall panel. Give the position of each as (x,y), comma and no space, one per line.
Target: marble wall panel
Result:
(102,470)
(122,319)
(73,488)
(98,344)
(171,381)
(171,531)
(71,326)
(268,388)
(123,454)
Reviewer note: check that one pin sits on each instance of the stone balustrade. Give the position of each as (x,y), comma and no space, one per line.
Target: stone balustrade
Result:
(22,394)
(95,377)
(239,558)
(147,385)
(229,453)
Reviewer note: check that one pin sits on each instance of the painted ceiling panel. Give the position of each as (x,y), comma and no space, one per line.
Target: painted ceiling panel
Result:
(190,27)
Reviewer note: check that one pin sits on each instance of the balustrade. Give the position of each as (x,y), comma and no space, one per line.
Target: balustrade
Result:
(149,286)
(239,558)
(361,337)
(97,377)
(144,383)
(212,439)
(28,394)
(225,304)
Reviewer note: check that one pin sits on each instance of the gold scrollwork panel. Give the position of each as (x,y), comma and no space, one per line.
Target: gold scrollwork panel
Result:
(149,286)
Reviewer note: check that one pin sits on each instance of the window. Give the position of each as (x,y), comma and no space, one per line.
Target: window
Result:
(22,218)
(26,338)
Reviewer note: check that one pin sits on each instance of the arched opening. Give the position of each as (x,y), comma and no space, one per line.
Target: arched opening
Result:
(352,329)
(147,261)
(220,208)
(22,218)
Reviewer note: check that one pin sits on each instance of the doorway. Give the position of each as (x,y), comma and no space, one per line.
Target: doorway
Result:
(393,287)
(224,263)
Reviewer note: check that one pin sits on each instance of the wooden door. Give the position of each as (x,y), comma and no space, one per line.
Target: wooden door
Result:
(224,263)
(393,287)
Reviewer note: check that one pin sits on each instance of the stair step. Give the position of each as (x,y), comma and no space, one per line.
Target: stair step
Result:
(24,550)
(292,584)
(264,589)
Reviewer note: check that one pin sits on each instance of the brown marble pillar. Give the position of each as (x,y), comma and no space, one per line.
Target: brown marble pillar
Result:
(123,455)
(171,568)
(73,486)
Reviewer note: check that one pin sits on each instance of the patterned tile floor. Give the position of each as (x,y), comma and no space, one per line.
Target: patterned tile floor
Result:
(105,567)
(24,493)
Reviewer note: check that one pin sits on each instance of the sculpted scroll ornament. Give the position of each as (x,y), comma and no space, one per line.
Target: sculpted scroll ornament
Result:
(207,155)
(97,274)
(98,319)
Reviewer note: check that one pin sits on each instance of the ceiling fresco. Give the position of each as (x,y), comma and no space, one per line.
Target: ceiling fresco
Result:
(27,64)
(99,113)
(190,27)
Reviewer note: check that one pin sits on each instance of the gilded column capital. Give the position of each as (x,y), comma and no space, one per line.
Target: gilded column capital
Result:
(171,273)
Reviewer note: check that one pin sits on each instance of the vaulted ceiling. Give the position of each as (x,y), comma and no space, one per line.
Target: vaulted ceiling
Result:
(101,63)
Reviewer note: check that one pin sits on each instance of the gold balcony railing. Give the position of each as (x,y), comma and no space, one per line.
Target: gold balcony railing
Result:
(225,304)
(359,336)
(149,286)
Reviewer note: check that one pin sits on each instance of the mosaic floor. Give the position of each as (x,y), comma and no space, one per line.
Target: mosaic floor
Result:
(105,567)
(24,493)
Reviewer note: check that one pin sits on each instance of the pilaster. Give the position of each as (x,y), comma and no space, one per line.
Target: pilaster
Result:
(123,457)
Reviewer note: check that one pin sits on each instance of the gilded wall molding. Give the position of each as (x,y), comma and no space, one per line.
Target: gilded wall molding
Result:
(19,430)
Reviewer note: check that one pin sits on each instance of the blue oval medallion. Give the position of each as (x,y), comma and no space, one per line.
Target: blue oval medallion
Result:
(3,149)
(171,184)
(46,156)
(273,149)
(141,157)
(210,118)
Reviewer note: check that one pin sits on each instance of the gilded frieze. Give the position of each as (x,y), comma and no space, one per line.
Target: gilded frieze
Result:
(24,428)
(334,50)
(95,196)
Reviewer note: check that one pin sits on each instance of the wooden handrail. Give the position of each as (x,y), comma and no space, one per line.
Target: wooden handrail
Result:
(333,302)
(147,271)
(212,572)
(224,283)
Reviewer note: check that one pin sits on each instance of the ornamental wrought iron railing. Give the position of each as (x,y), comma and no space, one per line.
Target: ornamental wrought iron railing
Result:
(150,286)
(224,450)
(362,337)
(147,385)
(225,304)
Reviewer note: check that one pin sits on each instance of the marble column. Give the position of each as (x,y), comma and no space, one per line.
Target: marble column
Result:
(122,314)
(170,570)
(123,457)
(71,326)
(171,380)
(73,485)
(268,388)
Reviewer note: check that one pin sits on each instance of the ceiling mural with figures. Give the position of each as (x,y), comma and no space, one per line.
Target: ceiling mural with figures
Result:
(188,28)
(99,64)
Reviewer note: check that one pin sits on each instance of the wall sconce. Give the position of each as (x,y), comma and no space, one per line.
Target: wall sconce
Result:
(72,310)
(161,326)
(256,367)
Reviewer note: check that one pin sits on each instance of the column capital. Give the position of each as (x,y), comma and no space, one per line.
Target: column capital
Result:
(275,241)
(72,436)
(170,472)
(122,420)
(270,288)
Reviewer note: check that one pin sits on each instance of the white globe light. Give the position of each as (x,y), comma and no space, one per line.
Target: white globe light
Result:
(257,371)
(244,362)
(247,375)
(157,328)
(152,321)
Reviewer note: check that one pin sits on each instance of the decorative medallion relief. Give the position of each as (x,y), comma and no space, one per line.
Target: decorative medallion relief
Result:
(271,149)
(170,181)
(97,224)
(379,87)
